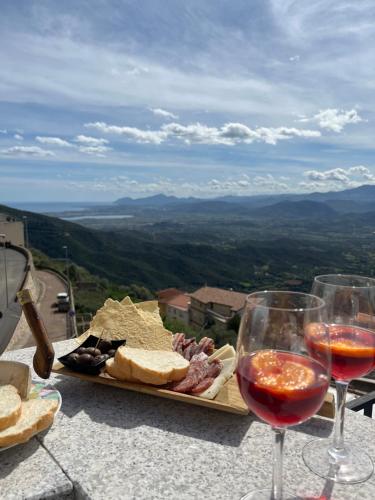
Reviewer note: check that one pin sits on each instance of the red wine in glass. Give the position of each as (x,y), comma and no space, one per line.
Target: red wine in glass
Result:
(282,388)
(352,350)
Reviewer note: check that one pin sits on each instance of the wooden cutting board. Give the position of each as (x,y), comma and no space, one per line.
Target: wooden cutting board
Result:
(229,398)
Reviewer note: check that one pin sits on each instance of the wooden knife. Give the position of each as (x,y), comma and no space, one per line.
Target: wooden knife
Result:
(44,354)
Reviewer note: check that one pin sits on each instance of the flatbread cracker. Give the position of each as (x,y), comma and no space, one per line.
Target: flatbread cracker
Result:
(120,321)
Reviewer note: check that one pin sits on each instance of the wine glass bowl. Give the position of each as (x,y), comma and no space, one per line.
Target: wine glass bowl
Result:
(350,304)
(279,377)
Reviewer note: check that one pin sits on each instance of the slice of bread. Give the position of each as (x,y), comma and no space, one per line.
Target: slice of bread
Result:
(36,415)
(119,372)
(151,367)
(17,374)
(10,406)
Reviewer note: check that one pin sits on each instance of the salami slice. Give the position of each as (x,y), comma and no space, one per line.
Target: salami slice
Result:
(178,342)
(197,372)
(203,385)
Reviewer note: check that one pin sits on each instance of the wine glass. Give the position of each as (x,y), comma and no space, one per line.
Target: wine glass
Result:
(350,302)
(279,379)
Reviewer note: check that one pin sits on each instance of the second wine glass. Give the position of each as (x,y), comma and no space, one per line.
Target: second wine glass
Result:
(350,303)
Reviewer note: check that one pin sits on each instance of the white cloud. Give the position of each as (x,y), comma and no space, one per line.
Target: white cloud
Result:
(164,113)
(336,174)
(359,169)
(26,151)
(93,141)
(18,137)
(95,150)
(229,134)
(54,141)
(334,119)
(144,136)
(337,178)
(269,182)
(294,58)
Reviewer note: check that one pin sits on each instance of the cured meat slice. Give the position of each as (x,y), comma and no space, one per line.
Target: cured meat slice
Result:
(178,342)
(187,342)
(190,351)
(200,370)
(206,345)
(203,385)
(213,370)
(197,372)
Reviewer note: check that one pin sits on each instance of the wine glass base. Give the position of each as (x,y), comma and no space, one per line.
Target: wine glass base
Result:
(352,466)
(266,495)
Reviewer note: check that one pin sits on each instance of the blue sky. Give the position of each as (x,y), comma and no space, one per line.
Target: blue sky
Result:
(106,98)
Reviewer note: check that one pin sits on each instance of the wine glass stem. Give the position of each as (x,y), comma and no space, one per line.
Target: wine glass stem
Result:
(341,390)
(277,478)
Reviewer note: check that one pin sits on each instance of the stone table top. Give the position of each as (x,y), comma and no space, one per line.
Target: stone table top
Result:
(108,443)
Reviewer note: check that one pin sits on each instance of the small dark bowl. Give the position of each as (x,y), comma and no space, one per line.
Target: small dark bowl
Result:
(93,369)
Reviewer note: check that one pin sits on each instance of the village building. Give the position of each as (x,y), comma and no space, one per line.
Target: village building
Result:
(214,305)
(164,296)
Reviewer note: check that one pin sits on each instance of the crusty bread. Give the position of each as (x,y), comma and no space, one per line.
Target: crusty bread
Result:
(17,374)
(151,367)
(36,415)
(10,406)
(119,372)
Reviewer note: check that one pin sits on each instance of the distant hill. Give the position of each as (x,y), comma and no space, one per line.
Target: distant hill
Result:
(158,200)
(295,209)
(209,207)
(133,257)
(360,199)
(361,194)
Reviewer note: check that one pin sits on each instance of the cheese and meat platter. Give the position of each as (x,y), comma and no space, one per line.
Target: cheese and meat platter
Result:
(128,347)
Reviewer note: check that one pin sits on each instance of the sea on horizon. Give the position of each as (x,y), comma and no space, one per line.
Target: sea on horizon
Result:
(53,207)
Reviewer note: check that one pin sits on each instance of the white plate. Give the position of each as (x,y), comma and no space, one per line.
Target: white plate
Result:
(40,390)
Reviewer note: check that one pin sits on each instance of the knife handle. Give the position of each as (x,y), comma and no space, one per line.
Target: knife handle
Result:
(44,354)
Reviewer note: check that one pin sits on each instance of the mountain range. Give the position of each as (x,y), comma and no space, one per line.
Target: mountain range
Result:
(354,200)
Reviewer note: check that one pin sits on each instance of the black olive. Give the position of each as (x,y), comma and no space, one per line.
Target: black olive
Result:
(81,350)
(85,359)
(93,351)
(104,346)
(100,358)
(111,352)
(73,357)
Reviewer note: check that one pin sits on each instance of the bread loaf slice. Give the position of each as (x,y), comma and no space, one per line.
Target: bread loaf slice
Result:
(17,374)
(119,372)
(36,415)
(151,367)
(10,406)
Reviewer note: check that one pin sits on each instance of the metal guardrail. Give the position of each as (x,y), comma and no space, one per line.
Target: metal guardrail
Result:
(365,403)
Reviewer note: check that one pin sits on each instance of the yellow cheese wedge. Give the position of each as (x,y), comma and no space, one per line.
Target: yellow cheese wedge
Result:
(225,352)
